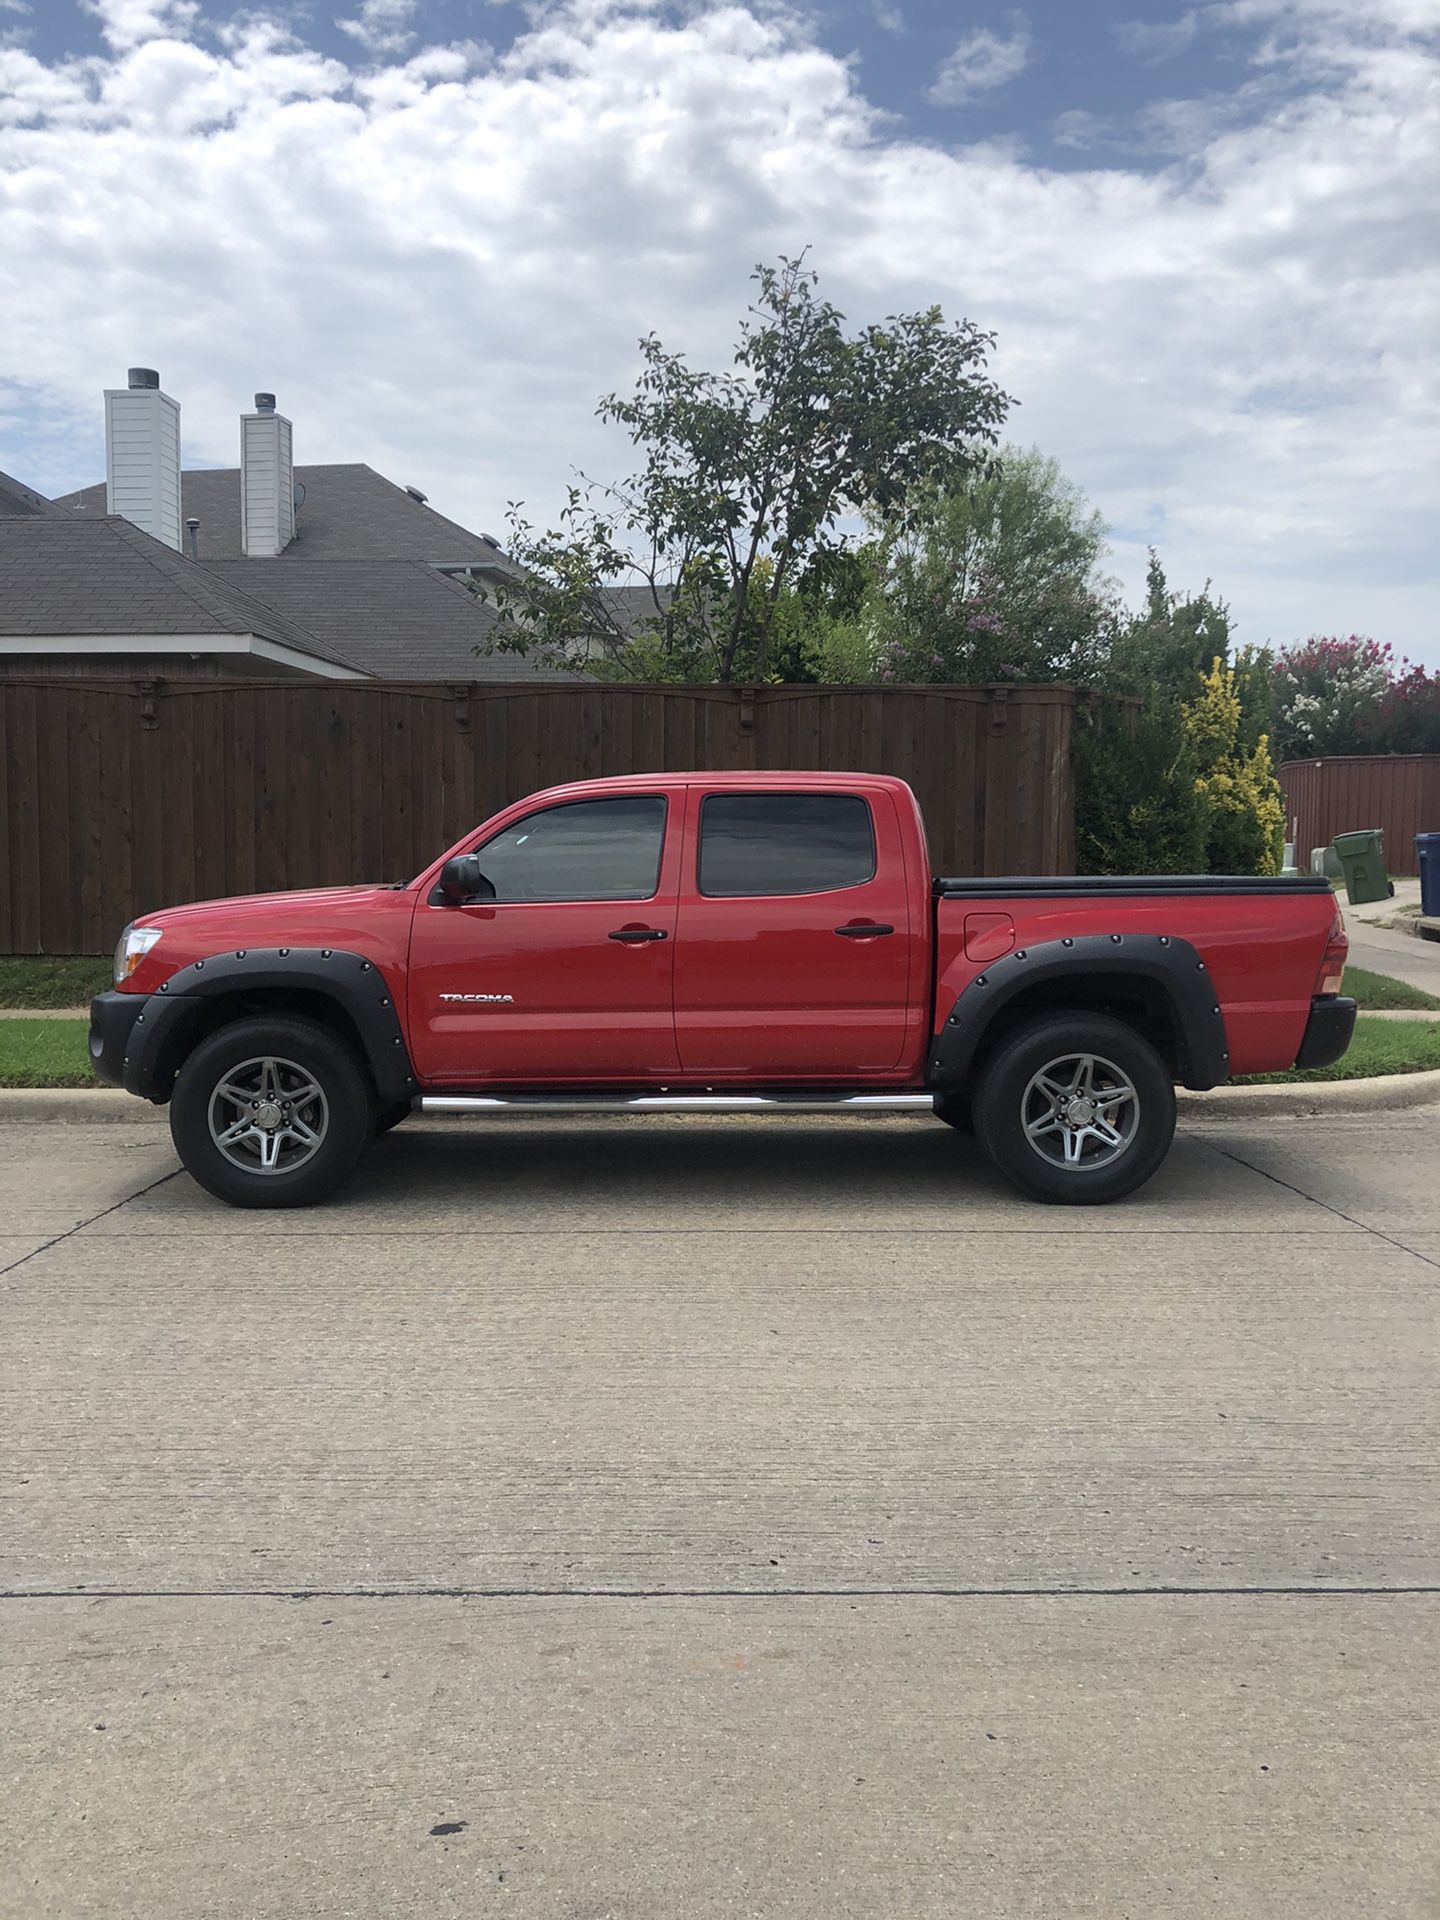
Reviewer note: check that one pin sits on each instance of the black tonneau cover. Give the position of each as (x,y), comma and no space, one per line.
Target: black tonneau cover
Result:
(1111,886)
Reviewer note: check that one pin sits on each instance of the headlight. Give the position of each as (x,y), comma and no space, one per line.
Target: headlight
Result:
(135,943)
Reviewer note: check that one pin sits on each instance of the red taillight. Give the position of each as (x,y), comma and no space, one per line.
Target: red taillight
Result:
(1332,967)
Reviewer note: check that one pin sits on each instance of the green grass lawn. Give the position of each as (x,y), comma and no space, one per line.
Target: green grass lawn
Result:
(1378,993)
(63,981)
(45,1053)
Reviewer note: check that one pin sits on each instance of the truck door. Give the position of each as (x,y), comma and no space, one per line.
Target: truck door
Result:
(794,948)
(567,973)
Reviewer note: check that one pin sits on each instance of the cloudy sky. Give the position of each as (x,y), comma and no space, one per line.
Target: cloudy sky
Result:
(1204,234)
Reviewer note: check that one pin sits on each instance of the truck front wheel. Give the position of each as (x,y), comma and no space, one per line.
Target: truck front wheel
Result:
(271,1113)
(1075,1109)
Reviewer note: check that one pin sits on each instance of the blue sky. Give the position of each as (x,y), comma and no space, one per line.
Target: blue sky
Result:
(1204,236)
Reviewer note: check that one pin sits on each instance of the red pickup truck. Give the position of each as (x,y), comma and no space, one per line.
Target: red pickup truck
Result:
(716,942)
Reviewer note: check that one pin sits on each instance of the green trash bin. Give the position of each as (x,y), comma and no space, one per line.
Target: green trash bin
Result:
(1362,860)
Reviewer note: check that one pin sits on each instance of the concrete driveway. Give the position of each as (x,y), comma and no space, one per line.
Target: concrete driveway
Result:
(708,1518)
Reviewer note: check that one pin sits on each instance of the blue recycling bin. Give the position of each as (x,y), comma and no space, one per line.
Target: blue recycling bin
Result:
(1427,850)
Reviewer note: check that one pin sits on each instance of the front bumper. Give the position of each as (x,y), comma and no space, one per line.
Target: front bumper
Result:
(1328,1032)
(112,1023)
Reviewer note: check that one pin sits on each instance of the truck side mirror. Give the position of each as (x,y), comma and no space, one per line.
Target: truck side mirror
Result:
(461,880)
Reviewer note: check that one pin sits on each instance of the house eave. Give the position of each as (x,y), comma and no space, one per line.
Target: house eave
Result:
(109,644)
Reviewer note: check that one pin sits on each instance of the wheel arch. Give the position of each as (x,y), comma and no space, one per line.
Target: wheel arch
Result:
(344,992)
(1156,983)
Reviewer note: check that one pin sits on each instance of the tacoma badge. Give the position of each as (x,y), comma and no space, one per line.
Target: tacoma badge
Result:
(506,999)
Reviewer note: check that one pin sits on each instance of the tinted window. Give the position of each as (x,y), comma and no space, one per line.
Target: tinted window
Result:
(592,850)
(784,843)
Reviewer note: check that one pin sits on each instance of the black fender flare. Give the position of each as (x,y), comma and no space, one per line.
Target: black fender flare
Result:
(355,983)
(1161,959)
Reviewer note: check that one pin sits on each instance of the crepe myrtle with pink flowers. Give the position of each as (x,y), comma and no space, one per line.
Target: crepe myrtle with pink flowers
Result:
(1350,695)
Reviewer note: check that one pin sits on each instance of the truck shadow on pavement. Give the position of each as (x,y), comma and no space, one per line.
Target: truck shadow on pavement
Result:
(731,1173)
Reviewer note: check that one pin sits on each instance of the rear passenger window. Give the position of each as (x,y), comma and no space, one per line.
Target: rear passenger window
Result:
(784,843)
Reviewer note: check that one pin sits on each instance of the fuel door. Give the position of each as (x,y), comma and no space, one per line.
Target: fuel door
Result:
(988,936)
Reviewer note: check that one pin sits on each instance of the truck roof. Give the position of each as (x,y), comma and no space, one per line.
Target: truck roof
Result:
(759,779)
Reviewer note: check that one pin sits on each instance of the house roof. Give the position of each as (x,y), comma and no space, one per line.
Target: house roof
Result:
(399,619)
(22,502)
(633,608)
(349,513)
(66,576)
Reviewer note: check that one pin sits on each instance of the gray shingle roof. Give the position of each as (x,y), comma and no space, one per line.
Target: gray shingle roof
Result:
(350,513)
(399,619)
(23,502)
(633,608)
(69,576)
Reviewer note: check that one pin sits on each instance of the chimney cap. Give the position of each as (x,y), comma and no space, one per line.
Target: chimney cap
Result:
(141,377)
(265,403)
(192,522)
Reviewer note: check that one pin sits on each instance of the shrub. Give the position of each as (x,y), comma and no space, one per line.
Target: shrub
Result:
(1246,815)
(1138,808)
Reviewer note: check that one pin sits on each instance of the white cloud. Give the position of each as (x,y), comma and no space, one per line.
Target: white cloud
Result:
(980,62)
(382,26)
(16,6)
(1157,39)
(440,264)
(888,18)
(126,24)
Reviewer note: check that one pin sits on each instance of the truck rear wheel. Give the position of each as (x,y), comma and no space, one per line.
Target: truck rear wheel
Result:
(271,1113)
(1076,1109)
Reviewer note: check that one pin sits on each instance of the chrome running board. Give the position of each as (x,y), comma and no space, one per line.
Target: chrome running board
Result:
(674,1103)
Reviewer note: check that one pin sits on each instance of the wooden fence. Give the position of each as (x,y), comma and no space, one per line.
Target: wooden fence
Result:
(118,798)
(1397,792)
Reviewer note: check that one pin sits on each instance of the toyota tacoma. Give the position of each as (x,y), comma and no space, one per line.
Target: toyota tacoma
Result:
(766,942)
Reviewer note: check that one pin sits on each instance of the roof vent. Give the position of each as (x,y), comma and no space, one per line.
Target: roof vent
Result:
(415,494)
(264,403)
(140,378)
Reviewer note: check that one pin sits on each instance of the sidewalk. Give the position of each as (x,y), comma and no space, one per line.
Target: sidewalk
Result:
(1401,955)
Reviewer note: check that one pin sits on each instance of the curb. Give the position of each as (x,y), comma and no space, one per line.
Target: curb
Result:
(82,1106)
(1390,1091)
(44,1013)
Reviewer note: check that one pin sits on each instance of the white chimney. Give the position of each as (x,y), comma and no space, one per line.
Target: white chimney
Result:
(142,455)
(267,481)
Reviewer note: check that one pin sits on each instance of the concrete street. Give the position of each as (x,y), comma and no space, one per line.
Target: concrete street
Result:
(702,1517)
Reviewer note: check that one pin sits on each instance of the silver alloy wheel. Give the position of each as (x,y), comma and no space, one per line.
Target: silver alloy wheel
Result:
(1080,1112)
(268,1116)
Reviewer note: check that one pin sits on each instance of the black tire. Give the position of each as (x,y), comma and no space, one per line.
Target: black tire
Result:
(342,1119)
(392,1116)
(954,1110)
(1006,1098)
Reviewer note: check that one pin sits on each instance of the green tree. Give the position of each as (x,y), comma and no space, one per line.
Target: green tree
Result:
(1166,649)
(996,579)
(745,475)
(1138,805)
